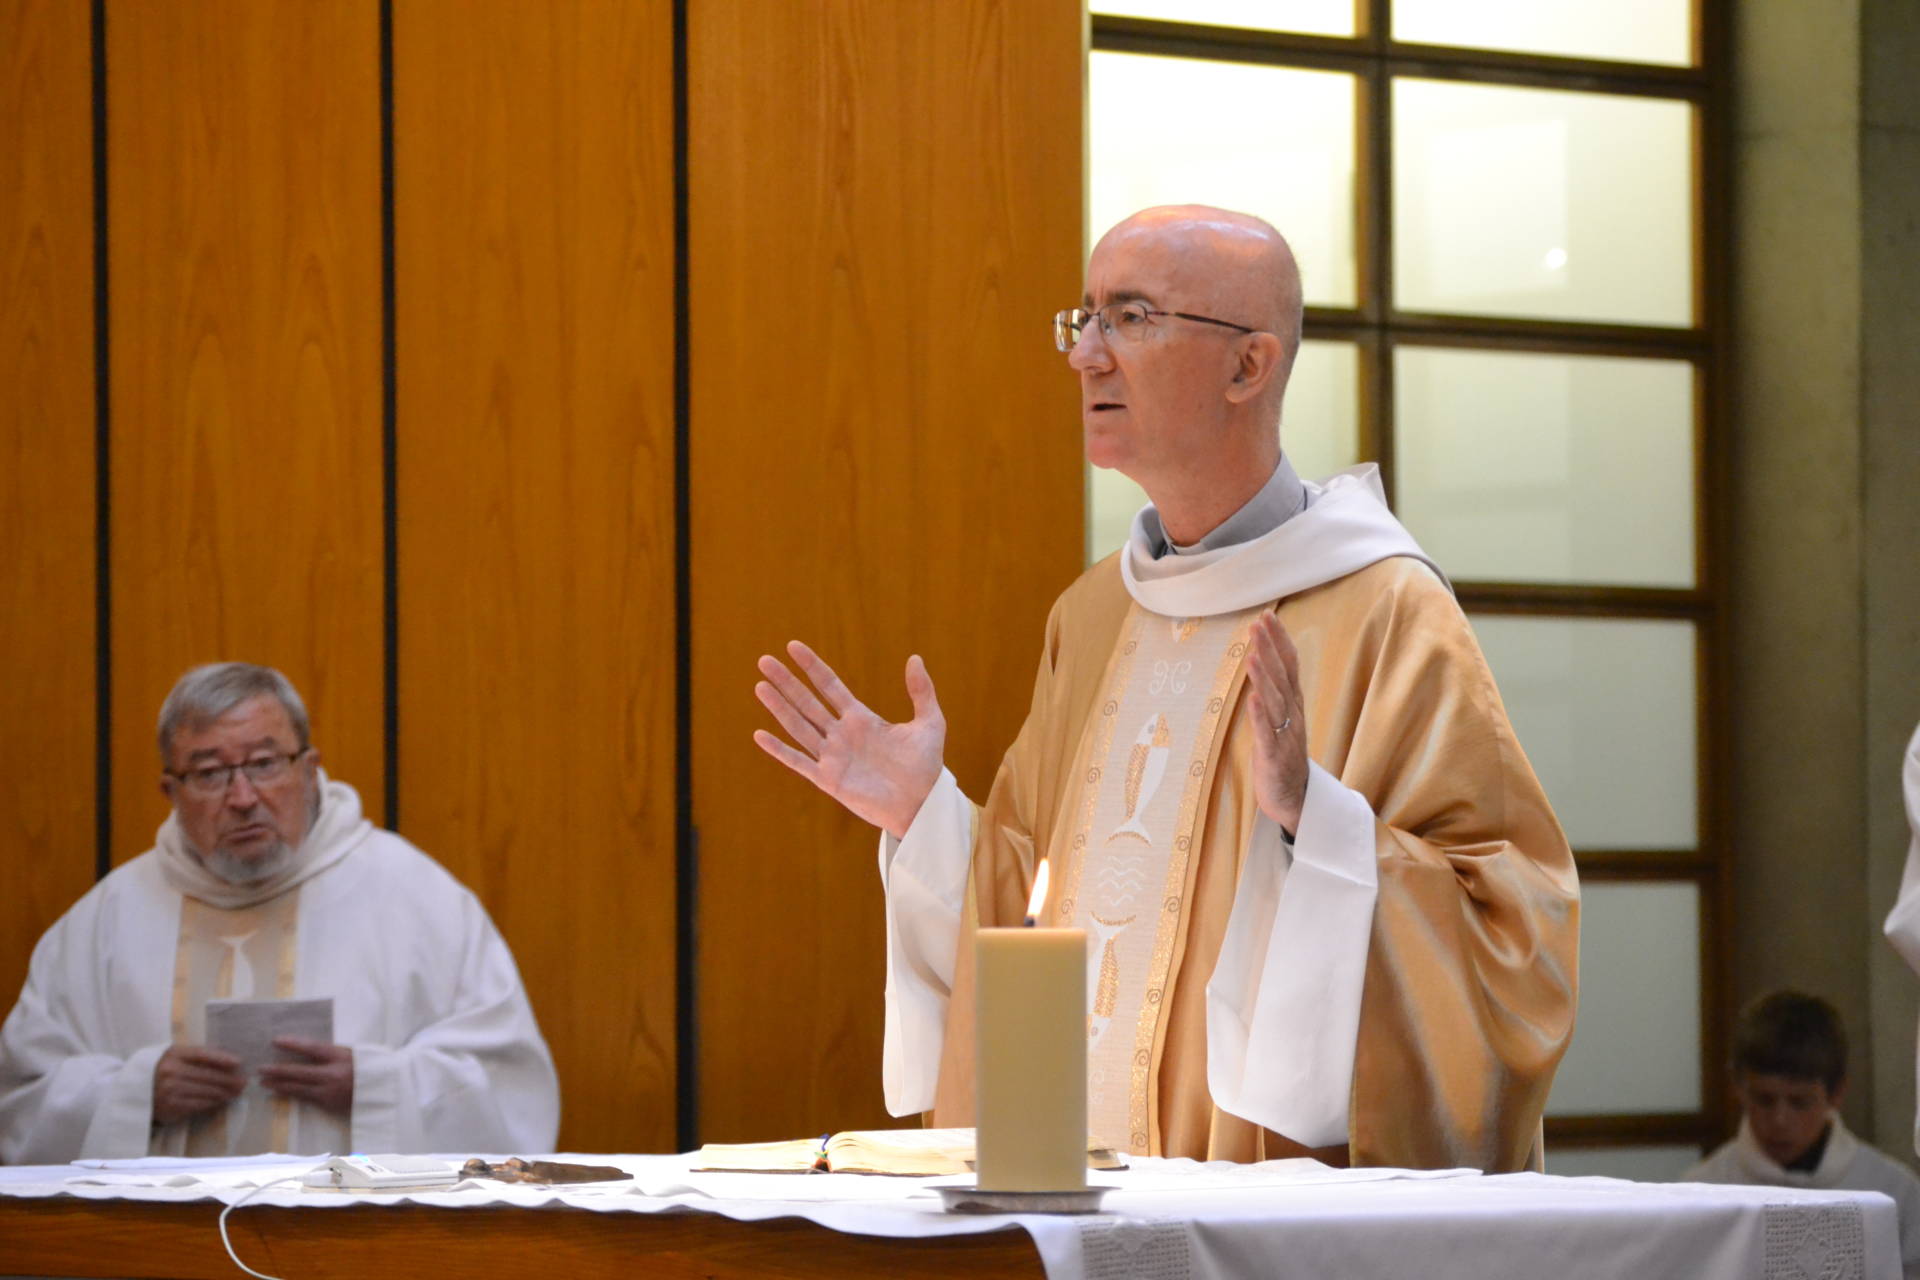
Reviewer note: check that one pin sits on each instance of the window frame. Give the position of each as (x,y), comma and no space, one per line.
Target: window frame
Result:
(1377,328)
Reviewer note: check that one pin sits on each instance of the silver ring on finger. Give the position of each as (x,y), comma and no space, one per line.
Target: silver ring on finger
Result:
(1283,726)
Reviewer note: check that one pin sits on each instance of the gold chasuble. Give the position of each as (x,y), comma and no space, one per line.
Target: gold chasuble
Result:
(1133,773)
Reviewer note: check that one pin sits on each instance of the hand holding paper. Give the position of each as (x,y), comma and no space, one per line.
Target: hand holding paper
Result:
(191,1078)
(326,1079)
(287,1045)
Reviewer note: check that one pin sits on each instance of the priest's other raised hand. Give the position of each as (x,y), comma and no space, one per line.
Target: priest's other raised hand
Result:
(879,770)
(1279,755)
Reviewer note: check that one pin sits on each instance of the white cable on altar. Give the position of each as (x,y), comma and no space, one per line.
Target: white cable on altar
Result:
(227,1241)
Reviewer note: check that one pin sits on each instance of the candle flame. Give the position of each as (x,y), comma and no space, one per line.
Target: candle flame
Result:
(1038,898)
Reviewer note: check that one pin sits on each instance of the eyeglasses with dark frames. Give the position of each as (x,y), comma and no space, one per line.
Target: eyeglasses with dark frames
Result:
(261,771)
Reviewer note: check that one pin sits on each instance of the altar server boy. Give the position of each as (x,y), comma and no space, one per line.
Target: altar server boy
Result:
(1789,1074)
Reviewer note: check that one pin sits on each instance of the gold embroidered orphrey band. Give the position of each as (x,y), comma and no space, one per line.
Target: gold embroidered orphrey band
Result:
(1142,808)
(221,955)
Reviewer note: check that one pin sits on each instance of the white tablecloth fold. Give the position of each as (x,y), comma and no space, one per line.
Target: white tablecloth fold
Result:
(1175,1219)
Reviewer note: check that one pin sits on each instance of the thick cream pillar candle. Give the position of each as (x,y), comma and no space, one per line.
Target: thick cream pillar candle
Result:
(1030,1076)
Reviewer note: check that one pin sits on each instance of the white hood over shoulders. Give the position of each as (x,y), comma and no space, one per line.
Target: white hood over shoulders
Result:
(1345,527)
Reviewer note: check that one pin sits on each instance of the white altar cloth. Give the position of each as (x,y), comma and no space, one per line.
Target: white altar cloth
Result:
(1173,1219)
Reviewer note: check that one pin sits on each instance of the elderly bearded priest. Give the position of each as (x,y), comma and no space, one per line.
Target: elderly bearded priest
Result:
(266,882)
(1327,905)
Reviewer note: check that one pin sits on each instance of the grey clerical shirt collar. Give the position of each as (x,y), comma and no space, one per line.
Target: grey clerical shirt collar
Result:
(1280,499)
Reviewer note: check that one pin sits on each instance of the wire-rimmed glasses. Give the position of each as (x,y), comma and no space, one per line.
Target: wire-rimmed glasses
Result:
(1122,322)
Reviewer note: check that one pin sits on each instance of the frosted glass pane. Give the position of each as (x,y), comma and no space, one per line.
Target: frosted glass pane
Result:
(1625,30)
(1543,203)
(1319,429)
(1111,501)
(1636,1164)
(1547,468)
(1637,1043)
(1315,17)
(1604,709)
(1270,141)
(1320,421)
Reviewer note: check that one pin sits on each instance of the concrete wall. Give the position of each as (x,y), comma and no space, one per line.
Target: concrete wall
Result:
(1890,439)
(1824,464)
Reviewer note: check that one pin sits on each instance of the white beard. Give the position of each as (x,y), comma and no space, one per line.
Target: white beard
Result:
(237,870)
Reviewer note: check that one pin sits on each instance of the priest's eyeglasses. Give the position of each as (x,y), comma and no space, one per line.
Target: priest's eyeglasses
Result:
(261,771)
(1123,322)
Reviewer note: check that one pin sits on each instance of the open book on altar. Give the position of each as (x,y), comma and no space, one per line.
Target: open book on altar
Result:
(907,1152)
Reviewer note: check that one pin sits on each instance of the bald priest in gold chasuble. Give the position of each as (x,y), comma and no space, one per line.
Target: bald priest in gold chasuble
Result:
(1328,908)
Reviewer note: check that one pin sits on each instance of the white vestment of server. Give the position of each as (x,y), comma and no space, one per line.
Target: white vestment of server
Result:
(447,1056)
(1847,1164)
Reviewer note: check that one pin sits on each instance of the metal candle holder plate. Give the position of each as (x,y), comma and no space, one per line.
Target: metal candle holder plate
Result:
(980,1200)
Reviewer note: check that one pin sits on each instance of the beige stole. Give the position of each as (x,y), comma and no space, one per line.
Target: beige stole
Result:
(243,953)
(1144,764)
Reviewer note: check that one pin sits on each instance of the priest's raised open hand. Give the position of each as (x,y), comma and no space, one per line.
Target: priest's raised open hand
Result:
(1280,756)
(881,771)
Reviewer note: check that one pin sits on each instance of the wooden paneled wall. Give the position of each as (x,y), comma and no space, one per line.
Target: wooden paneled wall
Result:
(244,305)
(886,460)
(534,166)
(47,472)
(410,423)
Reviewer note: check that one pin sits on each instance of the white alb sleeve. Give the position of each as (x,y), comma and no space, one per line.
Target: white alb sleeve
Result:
(121,1123)
(68,1089)
(925,877)
(1903,922)
(475,1074)
(1283,1004)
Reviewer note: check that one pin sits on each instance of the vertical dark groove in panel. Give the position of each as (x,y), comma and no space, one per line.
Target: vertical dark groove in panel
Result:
(389,425)
(103,489)
(685,838)
(1379,302)
(1714,30)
